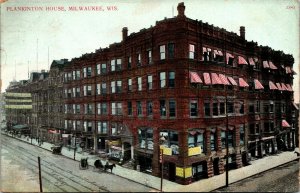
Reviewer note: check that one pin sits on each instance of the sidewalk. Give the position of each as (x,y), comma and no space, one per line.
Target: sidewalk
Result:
(205,185)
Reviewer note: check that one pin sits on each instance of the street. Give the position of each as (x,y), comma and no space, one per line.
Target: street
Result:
(281,179)
(19,172)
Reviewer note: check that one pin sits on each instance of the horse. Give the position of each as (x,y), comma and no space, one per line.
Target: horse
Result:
(98,164)
(109,167)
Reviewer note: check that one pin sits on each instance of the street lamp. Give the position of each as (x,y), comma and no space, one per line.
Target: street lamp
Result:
(161,160)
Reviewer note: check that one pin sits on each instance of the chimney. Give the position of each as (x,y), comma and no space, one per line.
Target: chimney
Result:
(242,32)
(125,32)
(180,9)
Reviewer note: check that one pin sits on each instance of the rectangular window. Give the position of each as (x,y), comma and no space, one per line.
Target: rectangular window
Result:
(171,82)
(162,51)
(77,75)
(89,126)
(213,141)
(171,140)
(241,106)
(271,107)
(139,81)
(193,108)
(206,108)
(88,109)
(149,108)
(149,82)
(196,139)
(215,108)
(89,71)
(129,62)
(139,108)
(102,127)
(98,69)
(99,109)
(191,51)
(145,137)
(162,78)
(222,108)
(172,108)
(98,89)
(119,108)
(74,75)
(84,72)
(77,92)
(113,65)
(230,138)
(257,107)
(129,107)
(149,57)
(223,139)
(129,84)
(171,50)
(138,60)
(113,108)
(163,109)
(77,108)
(103,69)
(230,108)
(113,87)
(119,64)
(78,125)
(74,92)
(104,108)
(119,86)
(103,88)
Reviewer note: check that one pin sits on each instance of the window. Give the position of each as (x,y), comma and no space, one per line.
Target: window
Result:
(149,83)
(119,86)
(102,127)
(113,65)
(87,72)
(77,92)
(87,90)
(113,86)
(74,92)
(102,108)
(171,140)
(119,65)
(241,107)
(138,59)
(191,51)
(149,108)
(162,108)
(103,88)
(98,89)
(69,93)
(162,78)
(74,109)
(230,108)
(193,108)
(149,57)
(119,108)
(139,108)
(88,126)
(196,139)
(129,107)
(171,80)
(129,85)
(223,139)
(172,108)
(251,107)
(271,106)
(257,107)
(145,137)
(213,139)
(113,128)
(103,68)
(230,138)
(207,108)
(74,75)
(129,62)
(171,50)
(215,108)
(77,111)
(69,76)
(78,125)
(139,81)
(88,109)
(113,108)
(162,50)
(222,108)
(98,69)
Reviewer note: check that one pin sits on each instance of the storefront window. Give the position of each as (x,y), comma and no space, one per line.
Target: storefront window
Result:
(171,140)
(196,139)
(145,137)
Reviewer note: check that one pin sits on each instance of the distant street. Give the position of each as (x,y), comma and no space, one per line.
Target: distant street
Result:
(281,179)
(19,172)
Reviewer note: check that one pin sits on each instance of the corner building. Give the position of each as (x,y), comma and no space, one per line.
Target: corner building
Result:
(180,86)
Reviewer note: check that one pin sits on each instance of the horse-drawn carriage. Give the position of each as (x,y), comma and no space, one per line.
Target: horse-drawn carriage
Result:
(56,149)
(83,164)
(98,165)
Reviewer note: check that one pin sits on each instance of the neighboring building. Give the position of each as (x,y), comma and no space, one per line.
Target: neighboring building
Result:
(179,86)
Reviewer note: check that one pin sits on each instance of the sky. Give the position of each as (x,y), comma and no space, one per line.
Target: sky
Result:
(26,36)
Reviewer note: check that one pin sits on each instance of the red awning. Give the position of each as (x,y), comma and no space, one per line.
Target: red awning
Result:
(220,53)
(272,66)
(52,131)
(194,77)
(224,79)
(251,61)
(296,107)
(204,49)
(255,59)
(284,123)
(206,77)
(283,86)
(265,64)
(258,85)
(232,81)
(294,72)
(243,83)
(272,86)
(241,60)
(288,70)
(215,79)
(289,87)
(228,55)
(216,52)
(279,86)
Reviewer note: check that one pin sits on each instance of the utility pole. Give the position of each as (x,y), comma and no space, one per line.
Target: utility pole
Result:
(40,174)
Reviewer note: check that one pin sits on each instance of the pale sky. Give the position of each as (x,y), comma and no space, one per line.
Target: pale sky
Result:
(69,34)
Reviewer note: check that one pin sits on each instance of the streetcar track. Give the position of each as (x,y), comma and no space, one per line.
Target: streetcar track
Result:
(85,180)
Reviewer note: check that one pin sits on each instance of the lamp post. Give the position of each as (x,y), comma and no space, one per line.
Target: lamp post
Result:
(161,160)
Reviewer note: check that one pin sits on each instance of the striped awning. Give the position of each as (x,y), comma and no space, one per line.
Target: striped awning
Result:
(284,123)
(215,79)
(224,79)
(296,107)
(206,77)
(194,77)
(232,81)
(251,61)
(243,83)
(220,52)
(289,87)
(228,55)
(265,64)
(283,86)
(272,66)
(272,86)
(216,52)
(204,49)
(288,70)
(258,85)
(241,60)
(279,86)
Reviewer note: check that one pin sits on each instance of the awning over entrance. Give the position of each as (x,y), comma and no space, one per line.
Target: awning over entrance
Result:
(258,85)
(241,60)
(265,64)
(243,83)
(272,66)
(251,61)
(232,81)
(272,86)
(228,55)
(215,79)
(278,86)
(283,86)
(206,77)
(194,77)
(224,79)
(289,87)
(284,123)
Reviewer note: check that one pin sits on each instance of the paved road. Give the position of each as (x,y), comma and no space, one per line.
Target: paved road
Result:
(59,174)
(281,179)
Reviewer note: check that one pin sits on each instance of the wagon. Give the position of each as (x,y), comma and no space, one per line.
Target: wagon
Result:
(56,149)
(83,164)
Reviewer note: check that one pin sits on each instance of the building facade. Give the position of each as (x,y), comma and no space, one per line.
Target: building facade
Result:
(179,87)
